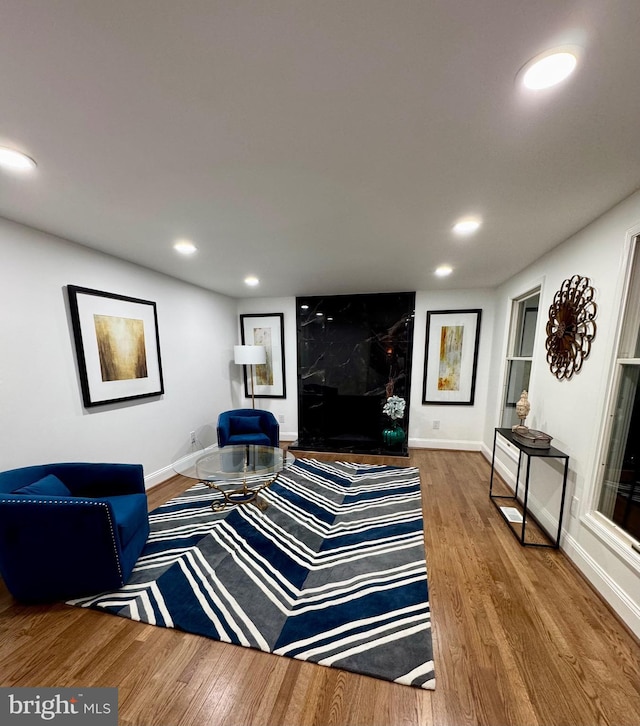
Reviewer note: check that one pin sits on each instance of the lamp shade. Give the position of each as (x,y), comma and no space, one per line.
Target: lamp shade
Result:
(249,354)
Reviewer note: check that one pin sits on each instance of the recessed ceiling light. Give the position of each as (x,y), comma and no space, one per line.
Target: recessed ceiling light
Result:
(444,270)
(319,315)
(15,160)
(467,226)
(252,281)
(185,247)
(304,307)
(548,69)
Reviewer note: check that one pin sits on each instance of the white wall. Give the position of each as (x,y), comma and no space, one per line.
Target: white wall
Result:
(284,409)
(42,417)
(461,427)
(574,411)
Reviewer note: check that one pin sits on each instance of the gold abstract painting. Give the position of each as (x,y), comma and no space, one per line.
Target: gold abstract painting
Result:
(121,348)
(264,371)
(450,357)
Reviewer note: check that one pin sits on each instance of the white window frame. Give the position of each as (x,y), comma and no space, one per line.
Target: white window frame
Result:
(609,533)
(516,303)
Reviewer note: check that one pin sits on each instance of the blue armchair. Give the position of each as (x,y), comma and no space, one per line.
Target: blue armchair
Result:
(69,530)
(248,426)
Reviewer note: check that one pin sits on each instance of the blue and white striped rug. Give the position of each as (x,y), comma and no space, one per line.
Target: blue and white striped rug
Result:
(332,572)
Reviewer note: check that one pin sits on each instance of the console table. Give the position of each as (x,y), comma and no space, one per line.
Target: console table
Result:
(528,452)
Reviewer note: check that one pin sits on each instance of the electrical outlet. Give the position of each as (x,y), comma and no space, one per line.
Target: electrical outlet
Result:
(574,506)
(281,418)
(193,438)
(436,424)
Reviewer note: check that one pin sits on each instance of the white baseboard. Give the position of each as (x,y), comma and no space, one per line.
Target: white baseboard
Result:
(450,444)
(486,452)
(157,477)
(626,609)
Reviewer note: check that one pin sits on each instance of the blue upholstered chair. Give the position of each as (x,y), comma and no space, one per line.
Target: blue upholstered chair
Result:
(69,530)
(248,426)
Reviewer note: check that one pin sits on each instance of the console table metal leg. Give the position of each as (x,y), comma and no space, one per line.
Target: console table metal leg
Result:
(493,463)
(564,491)
(526,496)
(515,495)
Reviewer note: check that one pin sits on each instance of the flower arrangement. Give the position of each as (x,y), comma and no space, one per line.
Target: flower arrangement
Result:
(394,407)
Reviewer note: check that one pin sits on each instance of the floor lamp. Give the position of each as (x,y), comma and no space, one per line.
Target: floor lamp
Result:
(250,355)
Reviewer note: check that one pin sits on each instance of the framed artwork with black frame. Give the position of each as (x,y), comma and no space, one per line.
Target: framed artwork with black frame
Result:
(451,357)
(117,346)
(265,329)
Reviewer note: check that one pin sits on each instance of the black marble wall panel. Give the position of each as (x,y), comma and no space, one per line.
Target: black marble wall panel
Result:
(353,352)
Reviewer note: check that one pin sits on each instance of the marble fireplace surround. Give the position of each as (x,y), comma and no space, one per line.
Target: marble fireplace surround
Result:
(353,351)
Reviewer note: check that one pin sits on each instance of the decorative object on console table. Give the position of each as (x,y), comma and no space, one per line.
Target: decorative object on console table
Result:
(265,330)
(531,438)
(451,357)
(571,327)
(117,346)
(394,409)
(522,411)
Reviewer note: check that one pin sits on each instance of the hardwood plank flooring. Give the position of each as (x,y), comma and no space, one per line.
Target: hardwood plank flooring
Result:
(520,639)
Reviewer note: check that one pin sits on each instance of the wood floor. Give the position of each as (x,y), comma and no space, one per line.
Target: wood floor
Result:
(519,639)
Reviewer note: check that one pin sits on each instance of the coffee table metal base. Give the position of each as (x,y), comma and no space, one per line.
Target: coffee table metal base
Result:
(238,472)
(242,495)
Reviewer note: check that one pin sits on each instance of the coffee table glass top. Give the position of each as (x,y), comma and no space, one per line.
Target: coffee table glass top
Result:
(233,463)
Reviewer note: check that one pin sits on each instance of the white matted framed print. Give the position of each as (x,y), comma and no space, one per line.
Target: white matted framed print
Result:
(265,329)
(451,357)
(117,346)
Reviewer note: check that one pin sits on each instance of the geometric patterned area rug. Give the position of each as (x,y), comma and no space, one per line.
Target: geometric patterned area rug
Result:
(332,572)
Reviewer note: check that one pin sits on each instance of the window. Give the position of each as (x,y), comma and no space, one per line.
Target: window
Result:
(524,316)
(619,498)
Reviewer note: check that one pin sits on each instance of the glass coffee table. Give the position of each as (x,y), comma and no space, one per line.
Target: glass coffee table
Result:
(238,472)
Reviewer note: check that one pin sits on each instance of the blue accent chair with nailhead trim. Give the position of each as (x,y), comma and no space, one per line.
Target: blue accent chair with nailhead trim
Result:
(248,426)
(70,530)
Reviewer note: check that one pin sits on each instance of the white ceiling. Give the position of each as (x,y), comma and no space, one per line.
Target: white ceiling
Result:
(326,146)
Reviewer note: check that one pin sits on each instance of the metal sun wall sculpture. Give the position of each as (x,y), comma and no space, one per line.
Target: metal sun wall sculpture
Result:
(571,327)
